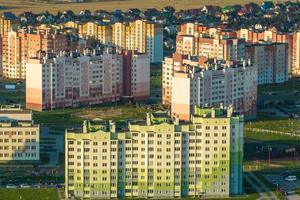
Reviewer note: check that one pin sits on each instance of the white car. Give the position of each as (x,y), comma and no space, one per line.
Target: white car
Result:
(290,178)
(11,186)
(24,185)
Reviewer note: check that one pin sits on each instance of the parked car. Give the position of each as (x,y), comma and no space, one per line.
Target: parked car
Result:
(25,185)
(11,186)
(290,178)
(36,186)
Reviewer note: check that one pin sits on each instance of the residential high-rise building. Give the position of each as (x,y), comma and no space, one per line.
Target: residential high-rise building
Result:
(71,79)
(295,51)
(271,60)
(189,31)
(141,36)
(19,135)
(254,36)
(136,75)
(100,32)
(157,158)
(19,46)
(211,46)
(190,81)
(7,24)
(194,29)
(121,35)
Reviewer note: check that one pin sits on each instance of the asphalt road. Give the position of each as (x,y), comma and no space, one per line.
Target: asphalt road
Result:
(289,186)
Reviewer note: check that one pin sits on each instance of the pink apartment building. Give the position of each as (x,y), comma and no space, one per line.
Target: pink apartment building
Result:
(191,81)
(71,79)
(192,30)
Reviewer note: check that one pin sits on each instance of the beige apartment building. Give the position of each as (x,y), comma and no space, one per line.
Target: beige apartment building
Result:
(139,35)
(19,135)
(98,31)
(156,157)
(295,58)
(7,25)
(72,79)
(292,39)
(190,81)
(198,40)
(211,46)
(271,60)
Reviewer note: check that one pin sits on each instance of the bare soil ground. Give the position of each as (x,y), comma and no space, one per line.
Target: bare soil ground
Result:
(19,6)
(102,114)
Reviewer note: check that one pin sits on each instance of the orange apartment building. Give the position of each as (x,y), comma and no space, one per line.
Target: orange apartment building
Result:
(19,46)
(6,25)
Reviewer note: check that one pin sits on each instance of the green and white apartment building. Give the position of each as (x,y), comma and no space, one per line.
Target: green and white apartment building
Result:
(157,157)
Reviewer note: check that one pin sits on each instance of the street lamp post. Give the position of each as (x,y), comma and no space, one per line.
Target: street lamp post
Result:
(269,149)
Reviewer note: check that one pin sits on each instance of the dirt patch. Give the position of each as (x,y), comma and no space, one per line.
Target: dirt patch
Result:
(102,114)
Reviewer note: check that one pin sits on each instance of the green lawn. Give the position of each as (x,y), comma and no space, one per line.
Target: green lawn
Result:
(283,125)
(272,137)
(10,96)
(51,194)
(24,177)
(57,118)
(156,77)
(28,194)
(70,117)
(291,85)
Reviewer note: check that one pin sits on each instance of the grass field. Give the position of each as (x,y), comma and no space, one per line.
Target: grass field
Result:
(51,194)
(283,125)
(70,117)
(156,77)
(290,86)
(28,194)
(12,96)
(19,6)
(272,137)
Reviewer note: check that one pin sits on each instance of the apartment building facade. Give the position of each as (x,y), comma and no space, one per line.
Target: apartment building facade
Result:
(71,79)
(19,135)
(157,158)
(271,60)
(7,25)
(98,31)
(294,50)
(19,46)
(192,81)
(251,35)
(211,46)
(136,75)
(139,35)
(292,40)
